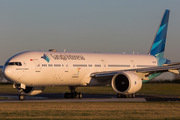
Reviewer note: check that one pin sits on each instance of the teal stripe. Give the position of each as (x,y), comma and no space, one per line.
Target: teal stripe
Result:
(151,77)
(161,28)
(156,44)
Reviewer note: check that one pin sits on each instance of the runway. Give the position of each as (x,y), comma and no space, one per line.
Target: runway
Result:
(59,97)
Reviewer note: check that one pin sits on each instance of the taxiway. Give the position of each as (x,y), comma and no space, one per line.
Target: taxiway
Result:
(59,97)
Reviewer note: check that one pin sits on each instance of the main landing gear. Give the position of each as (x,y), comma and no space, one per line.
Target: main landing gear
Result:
(126,95)
(73,93)
(21,96)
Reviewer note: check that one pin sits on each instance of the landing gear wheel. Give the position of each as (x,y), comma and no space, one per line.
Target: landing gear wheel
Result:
(73,93)
(21,97)
(125,95)
(78,95)
(119,95)
(133,95)
(67,95)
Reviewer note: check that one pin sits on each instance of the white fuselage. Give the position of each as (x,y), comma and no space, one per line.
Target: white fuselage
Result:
(38,68)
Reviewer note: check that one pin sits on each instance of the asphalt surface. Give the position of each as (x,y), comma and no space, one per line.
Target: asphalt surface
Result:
(59,97)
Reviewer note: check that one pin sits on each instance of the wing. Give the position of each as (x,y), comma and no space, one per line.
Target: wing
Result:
(143,73)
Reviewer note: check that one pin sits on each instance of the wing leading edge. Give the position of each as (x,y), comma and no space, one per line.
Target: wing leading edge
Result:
(143,73)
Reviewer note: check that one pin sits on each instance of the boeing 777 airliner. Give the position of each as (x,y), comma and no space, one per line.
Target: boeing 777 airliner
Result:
(32,71)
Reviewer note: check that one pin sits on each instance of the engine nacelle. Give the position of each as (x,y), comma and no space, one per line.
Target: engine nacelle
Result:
(126,83)
(32,90)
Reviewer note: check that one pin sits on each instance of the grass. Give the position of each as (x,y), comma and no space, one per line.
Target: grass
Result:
(6,98)
(101,89)
(105,111)
(148,88)
(7,88)
(161,88)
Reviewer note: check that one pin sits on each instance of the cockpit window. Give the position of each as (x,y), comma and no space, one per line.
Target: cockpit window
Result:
(11,63)
(14,63)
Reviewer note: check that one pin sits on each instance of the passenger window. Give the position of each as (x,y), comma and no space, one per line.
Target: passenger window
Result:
(44,65)
(50,65)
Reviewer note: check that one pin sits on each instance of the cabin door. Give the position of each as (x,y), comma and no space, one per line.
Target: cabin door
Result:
(65,66)
(103,65)
(37,65)
(133,63)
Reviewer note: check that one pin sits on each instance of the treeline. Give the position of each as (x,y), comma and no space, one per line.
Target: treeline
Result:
(165,81)
(5,83)
(1,75)
(2,79)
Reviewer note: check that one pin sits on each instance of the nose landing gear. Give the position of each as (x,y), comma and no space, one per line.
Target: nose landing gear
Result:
(21,96)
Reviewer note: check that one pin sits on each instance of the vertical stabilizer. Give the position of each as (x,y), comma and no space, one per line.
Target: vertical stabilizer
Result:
(158,46)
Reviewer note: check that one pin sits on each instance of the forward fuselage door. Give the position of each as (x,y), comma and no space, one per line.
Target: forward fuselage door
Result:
(133,65)
(37,65)
(103,65)
(66,67)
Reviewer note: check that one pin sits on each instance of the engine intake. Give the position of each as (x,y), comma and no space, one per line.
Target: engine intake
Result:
(126,83)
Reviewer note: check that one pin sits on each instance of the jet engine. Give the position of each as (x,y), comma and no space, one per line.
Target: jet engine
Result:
(126,83)
(32,90)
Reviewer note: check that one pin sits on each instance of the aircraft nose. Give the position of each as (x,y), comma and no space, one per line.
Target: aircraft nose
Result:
(7,71)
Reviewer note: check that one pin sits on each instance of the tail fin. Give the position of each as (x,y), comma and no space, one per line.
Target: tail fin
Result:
(158,46)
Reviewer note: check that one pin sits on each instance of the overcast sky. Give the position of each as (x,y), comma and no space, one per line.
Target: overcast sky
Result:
(112,26)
